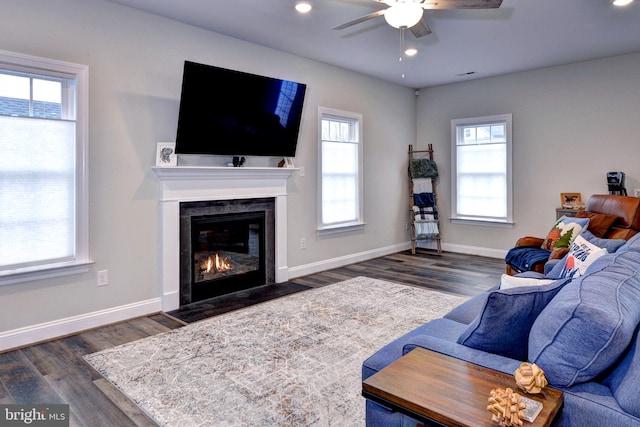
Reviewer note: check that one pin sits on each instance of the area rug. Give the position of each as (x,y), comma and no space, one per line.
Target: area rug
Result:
(294,361)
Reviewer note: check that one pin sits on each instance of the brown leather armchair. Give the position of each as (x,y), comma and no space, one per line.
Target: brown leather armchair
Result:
(600,208)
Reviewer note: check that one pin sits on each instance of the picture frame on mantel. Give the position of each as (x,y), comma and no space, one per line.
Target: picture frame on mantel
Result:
(166,154)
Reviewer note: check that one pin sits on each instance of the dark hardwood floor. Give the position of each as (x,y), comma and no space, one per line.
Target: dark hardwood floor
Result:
(54,371)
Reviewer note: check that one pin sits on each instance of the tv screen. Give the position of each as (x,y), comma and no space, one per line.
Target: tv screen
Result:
(227,112)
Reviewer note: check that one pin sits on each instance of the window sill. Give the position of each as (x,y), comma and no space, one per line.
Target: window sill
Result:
(482,222)
(340,228)
(44,272)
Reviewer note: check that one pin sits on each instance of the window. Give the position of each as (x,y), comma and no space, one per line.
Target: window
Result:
(481,170)
(340,205)
(43,177)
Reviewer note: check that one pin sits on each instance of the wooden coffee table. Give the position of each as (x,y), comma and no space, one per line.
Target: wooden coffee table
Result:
(430,386)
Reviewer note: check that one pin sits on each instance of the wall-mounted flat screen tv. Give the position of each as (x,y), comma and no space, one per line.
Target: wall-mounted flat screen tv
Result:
(227,112)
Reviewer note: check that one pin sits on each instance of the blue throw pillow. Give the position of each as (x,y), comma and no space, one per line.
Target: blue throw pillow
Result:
(611,245)
(591,321)
(503,325)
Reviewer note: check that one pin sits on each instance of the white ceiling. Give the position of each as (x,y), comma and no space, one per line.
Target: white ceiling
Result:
(520,35)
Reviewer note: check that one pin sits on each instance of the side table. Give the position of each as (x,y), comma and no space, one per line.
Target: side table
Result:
(430,386)
(567,212)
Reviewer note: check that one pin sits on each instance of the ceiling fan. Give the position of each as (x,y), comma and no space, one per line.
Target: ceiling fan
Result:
(409,13)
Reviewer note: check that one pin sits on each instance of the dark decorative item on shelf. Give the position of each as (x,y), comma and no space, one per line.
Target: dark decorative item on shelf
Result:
(530,378)
(506,408)
(238,161)
(615,182)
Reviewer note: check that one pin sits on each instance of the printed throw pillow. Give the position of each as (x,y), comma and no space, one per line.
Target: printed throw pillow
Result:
(580,256)
(564,232)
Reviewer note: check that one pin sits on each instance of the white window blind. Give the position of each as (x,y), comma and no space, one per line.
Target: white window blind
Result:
(37,171)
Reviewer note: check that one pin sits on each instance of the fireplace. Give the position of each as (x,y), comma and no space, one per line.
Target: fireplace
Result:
(225,246)
(180,185)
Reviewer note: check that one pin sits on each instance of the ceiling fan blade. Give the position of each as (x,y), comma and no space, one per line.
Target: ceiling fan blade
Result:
(461,4)
(359,20)
(421,29)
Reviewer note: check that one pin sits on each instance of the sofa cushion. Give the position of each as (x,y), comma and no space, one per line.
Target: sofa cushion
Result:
(623,381)
(599,224)
(466,312)
(503,325)
(611,245)
(626,208)
(589,324)
(507,281)
(564,232)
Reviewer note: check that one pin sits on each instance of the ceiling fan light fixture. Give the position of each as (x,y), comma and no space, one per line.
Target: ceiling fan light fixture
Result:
(403,14)
(303,7)
(412,51)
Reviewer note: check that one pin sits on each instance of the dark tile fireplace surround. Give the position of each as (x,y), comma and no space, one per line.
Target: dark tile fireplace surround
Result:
(225,246)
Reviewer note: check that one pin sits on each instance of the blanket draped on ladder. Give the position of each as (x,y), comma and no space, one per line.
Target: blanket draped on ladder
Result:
(425,210)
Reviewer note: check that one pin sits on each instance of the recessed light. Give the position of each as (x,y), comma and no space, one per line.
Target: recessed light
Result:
(303,7)
(411,51)
(621,2)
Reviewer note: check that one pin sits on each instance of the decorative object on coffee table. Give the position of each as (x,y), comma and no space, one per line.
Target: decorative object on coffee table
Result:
(505,407)
(530,378)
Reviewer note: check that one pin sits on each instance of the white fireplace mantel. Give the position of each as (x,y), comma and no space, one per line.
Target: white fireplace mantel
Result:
(194,183)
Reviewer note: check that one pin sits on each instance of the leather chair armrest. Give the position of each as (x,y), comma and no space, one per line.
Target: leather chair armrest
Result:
(529,241)
(559,253)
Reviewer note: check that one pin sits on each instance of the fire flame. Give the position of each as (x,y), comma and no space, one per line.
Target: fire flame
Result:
(216,265)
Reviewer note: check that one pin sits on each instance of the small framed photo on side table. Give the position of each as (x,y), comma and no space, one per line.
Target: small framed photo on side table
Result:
(166,154)
(571,200)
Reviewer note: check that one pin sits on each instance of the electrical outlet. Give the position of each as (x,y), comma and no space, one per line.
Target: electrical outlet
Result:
(303,243)
(301,170)
(103,277)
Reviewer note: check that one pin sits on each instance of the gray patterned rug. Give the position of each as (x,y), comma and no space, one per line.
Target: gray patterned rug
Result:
(294,361)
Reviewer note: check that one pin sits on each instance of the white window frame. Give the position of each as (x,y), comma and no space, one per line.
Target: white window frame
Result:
(81,261)
(507,220)
(358,223)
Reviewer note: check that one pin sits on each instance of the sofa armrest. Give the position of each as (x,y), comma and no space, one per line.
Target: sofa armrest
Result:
(529,241)
(462,352)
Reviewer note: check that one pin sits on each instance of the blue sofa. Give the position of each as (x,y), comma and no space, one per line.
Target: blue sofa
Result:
(583,332)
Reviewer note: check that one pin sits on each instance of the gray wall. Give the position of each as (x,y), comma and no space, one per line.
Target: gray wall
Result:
(571,125)
(135,62)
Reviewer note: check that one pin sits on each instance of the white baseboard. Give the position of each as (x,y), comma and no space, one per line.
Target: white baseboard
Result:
(328,264)
(474,250)
(331,263)
(71,325)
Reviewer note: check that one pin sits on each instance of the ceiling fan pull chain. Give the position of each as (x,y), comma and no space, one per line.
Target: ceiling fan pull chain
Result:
(401,51)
